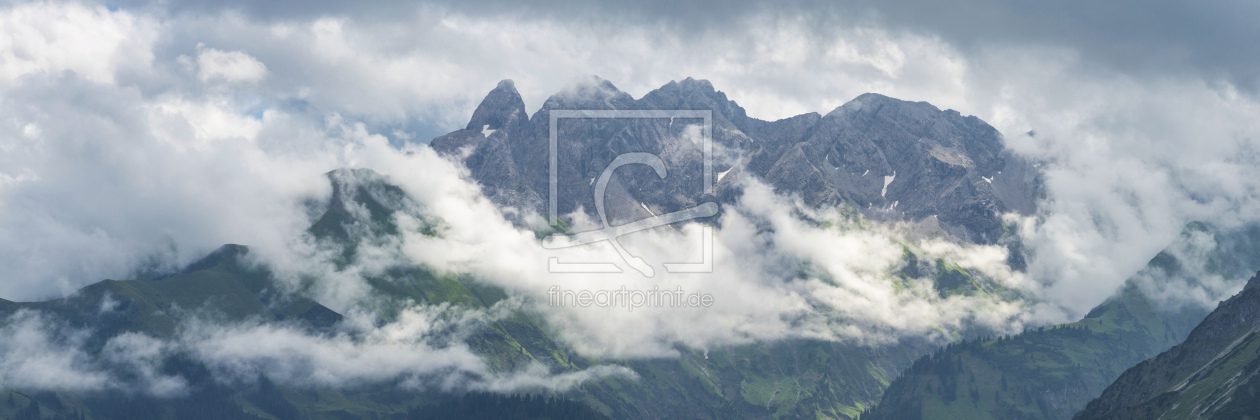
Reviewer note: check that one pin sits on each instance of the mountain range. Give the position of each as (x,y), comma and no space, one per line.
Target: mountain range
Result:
(891,161)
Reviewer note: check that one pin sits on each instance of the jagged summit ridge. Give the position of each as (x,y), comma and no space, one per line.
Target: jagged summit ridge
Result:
(893,159)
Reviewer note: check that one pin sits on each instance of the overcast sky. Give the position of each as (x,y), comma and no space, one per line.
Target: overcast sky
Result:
(141,132)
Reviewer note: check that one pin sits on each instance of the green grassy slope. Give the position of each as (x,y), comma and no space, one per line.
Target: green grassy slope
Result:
(789,379)
(223,287)
(1214,374)
(1051,373)
(1041,374)
(230,291)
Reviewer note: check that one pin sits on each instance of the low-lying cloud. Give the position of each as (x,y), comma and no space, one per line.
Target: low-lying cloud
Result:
(421,350)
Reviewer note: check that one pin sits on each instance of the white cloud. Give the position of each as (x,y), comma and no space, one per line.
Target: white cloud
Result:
(231,66)
(421,349)
(142,355)
(1128,162)
(91,41)
(40,354)
(206,121)
(758,286)
(396,351)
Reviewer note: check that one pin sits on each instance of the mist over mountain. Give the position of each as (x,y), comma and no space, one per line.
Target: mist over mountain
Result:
(379,258)
(303,210)
(819,302)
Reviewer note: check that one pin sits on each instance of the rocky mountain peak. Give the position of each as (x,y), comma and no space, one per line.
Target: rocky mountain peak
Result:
(895,160)
(589,92)
(692,86)
(872,103)
(501,109)
(697,94)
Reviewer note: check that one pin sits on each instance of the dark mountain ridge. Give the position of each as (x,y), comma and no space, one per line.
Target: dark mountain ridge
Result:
(1213,374)
(1053,372)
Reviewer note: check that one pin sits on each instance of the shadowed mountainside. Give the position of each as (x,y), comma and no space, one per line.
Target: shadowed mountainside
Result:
(1051,373)
(1214,374)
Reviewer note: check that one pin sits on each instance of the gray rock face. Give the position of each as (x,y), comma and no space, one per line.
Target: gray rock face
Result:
(894,160)
(900,159)
(486,146)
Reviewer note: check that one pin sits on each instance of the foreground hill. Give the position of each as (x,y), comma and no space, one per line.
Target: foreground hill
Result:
(1051,373)
(788,379)
(230,288)
(1214,374)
